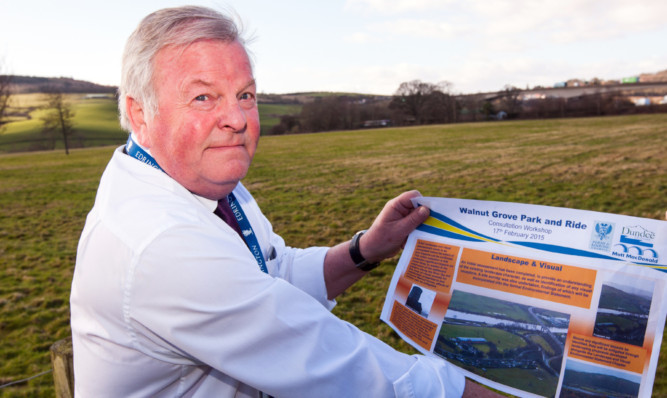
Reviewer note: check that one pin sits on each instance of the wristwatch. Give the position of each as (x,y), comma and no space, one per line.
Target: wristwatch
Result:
(359,260)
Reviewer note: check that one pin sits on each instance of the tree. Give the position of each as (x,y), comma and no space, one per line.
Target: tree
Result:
(471,107)
(420,102)
(510,101)
(410,99)
(288,124)
(5,93)
(332,113)
(59,117)
(487,110)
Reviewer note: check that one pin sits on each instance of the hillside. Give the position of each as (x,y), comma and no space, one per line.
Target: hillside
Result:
(34,84)
(653,77)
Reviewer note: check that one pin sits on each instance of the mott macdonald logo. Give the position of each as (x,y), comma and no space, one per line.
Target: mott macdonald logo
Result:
(636,243)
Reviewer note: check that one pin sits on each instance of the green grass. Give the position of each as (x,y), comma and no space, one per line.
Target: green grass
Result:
(503,340)
(95,124)
(318,189)
(269,114)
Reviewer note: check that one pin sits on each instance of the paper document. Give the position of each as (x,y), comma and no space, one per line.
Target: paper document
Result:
(535,301)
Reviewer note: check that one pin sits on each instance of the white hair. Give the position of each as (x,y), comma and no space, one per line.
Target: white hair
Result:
(178,27)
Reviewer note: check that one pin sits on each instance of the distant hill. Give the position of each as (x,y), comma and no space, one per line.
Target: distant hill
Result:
(33,84)
(653,77)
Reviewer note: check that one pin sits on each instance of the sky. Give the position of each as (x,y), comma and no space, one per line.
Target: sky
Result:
(363,46)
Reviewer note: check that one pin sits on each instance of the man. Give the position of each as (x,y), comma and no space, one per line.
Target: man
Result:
(181,288)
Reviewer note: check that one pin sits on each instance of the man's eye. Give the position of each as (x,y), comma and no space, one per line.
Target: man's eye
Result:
(247,97)
(202,97)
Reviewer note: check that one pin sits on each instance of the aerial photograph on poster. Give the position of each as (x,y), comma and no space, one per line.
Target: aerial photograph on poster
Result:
(516,344)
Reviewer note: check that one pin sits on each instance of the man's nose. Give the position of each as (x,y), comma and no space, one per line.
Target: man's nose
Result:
(231,116)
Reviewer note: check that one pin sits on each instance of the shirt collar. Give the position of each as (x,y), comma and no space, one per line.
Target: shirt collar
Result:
(208,203)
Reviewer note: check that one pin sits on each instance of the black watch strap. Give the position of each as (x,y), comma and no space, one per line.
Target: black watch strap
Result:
(359,260)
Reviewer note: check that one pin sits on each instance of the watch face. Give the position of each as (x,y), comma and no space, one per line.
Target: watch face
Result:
(355,253)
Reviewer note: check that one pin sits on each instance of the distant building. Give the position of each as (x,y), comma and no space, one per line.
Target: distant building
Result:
(97,96)
(646,100)
(470,339)
(377,123)
(629,80)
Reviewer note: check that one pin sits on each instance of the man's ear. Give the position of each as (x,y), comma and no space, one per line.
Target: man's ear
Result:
(135,112)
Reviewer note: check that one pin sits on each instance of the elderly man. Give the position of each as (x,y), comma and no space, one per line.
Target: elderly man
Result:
(181,288)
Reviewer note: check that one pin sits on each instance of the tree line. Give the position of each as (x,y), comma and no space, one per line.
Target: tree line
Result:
(418,103)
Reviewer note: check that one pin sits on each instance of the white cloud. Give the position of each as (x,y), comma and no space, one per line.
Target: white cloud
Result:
(514,25)
(417,28)
(362,38)
(395,6)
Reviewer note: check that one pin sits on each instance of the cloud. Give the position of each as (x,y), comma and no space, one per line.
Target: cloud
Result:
(395,6)
(515,25)
(417,28)
(382,79)
(362,38)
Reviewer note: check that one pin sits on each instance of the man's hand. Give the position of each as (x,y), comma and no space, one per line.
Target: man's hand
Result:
(391,228)
(474,390)
(384,239)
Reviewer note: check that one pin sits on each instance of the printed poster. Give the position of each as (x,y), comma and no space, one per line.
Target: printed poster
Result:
(535,301)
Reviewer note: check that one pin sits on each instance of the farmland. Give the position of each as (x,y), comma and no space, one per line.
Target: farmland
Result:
(318,189)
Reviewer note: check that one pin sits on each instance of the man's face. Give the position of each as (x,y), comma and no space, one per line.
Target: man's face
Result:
(206,129)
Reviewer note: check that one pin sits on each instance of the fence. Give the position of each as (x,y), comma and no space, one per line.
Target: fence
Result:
(63,368)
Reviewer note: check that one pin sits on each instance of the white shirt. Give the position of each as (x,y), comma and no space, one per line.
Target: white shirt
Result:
(168,301)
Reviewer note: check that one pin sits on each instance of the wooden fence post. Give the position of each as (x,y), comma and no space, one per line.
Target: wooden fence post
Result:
(63,368)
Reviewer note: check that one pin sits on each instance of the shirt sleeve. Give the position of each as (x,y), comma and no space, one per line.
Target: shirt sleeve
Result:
(197,300)
(302,268)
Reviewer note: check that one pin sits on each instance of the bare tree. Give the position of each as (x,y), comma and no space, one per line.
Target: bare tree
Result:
(411,97)
(420,102)
(59,117)
(5,92)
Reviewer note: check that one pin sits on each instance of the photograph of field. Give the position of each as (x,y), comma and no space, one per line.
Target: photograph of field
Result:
(515,344)
(623,311)
(584,380)
(319,189)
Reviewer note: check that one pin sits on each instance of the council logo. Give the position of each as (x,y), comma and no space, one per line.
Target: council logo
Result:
(601,236)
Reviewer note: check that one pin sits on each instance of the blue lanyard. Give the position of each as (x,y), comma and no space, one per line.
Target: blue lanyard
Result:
(247,231)
(137,152)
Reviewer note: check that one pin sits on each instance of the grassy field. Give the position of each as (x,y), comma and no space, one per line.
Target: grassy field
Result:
(95,123)
(269,114)
(319,189)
